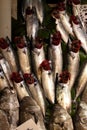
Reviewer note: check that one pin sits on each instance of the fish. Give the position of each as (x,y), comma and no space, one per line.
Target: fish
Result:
(73,60)
(9,109)
(23,54)
(60,119)
(39,9)
(75,7)
(38,55)
(47,81)
(8,53)
(19,85)
(65,19)
(80,120)
(79,32)
(55,54)
(35,90)
(59,26)
(32,23)
(30,110)
(3,80)
(6,69)
(81,80)
(63,93)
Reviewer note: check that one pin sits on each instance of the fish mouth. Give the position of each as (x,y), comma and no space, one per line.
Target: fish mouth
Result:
(74,19)
(75,46)
(16,77)
(20,43)
(45,65)
(64,77)
(29,11)
(55,13)
(29,78)
(61,6)
(3,43)
(76,2)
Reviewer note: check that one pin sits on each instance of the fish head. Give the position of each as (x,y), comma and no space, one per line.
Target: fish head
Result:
(29,78)
(3,43)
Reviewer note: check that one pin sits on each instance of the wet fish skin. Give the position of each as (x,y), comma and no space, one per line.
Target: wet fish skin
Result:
(32,24)
(81,80)
(36,91)
(80,33)
(80,120)
(60,119)
(10,106)
(8,54)
(30,110)
(23,54)
(38,55)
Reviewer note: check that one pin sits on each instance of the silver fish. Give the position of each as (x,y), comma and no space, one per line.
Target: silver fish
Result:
(23,54)
(81,80)
(60,119)
(39,9)
(38,55)
(8,53)
(55,54)
(19,85)
(30,110)
(32,23)
(10,106)
(80,121)
(6,69)
(63,93)
(79,32)
(3,80)
(73,60)
(59,26)
(47,81)
(36,91)
(65,19)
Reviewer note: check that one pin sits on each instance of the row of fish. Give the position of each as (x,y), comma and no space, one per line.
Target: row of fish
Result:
(37,78)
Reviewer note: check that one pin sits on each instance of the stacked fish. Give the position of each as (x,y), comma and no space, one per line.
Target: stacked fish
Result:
(29,79)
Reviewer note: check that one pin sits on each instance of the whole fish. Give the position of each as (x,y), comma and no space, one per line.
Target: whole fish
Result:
(39,9)
(30,110)
(63,93)
(81,80)
(8,53)
(6,69)
(35,90)
(59,25)
(79,32)
(32,23)
(19,85)
(80,120)
(23,54)
(47,80)
(60,119)
(9,106)
(38,55)
(65,19)
(55,54)
(73,59)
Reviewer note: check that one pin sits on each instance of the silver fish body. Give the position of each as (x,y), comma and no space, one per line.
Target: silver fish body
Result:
(63,96)
(9,55)
(65,21)
(6,69)
(38,55)
(80,34)
(81,117)
(30,110)
(10,106)
(39,9)
(60,119)
(36,92)
(32,25)
(48,85)
(55,55)
(81,80)
(60,27)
